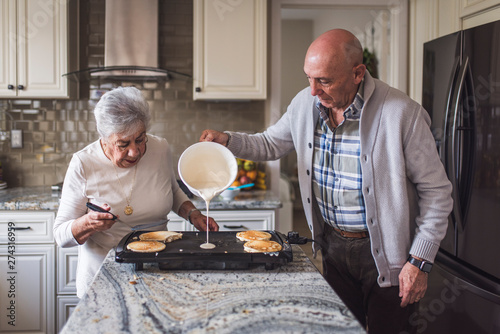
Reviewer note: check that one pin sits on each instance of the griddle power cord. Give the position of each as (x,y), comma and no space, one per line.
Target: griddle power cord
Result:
(295,238)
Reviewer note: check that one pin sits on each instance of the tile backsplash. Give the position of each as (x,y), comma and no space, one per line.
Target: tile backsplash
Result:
(54,129)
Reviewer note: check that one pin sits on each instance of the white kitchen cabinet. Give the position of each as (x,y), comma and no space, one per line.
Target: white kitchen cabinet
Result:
(31,296)
(230,220)
(27,272)
(176,223)
(240,220)
(33,49)
(31,227)
(479,12)
(67,261)
(230,53)
(65,306)
(477,7)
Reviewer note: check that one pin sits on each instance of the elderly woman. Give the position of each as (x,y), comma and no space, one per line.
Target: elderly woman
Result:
(126,171)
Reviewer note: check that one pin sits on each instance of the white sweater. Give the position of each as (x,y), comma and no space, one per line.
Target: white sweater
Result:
(406,191)
(91,178)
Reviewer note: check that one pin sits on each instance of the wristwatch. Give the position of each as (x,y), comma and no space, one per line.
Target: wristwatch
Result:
(423,265)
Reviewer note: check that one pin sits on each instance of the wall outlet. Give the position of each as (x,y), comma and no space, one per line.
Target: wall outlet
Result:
(16,138)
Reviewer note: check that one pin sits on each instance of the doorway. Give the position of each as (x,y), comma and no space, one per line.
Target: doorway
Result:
(380,25)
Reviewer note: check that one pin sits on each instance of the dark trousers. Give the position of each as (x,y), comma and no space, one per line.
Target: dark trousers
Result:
(349,268)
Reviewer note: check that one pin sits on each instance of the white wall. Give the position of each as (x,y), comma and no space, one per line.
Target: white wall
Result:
(296,38)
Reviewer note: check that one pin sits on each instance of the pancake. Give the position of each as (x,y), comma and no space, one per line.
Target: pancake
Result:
(165,236)
(253,235)
(261,246)
(146,246)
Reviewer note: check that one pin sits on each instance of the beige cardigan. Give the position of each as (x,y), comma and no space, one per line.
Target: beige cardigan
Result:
(406,191)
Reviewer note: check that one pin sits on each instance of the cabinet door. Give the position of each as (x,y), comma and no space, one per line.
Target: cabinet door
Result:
(7,48)
(42,48)
(230,49)
(67,261)
(176,223)
(229,220)
(241,220)
(65,306)
(27,296)
(28,227)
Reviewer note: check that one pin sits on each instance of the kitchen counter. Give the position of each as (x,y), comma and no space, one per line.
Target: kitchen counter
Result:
(248,199)
(43,198)
(29,198)
(293,298)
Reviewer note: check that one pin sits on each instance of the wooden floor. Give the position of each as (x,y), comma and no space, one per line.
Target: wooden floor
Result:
(300,225)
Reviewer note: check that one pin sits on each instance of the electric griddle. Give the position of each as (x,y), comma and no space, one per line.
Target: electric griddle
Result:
(187,254)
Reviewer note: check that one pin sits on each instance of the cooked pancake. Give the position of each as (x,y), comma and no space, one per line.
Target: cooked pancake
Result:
(165,236)
(253,235)
(261,246)
(146,246)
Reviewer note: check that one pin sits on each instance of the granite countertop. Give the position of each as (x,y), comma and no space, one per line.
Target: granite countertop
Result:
(44,198)
(29,198)
(248,199)
(293,298)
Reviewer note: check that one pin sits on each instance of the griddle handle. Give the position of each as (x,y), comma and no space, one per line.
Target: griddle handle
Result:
(294,238)
(236,227)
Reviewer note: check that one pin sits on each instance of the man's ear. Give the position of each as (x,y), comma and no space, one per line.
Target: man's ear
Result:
(359,73)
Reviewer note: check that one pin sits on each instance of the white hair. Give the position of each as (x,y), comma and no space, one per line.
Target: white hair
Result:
(121,111)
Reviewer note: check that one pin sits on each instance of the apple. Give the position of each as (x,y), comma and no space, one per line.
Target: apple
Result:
(245,180)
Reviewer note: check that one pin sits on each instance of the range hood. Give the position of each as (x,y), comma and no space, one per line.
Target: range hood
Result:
(130,43)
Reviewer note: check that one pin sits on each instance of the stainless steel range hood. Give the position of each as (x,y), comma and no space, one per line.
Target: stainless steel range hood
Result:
(130,42)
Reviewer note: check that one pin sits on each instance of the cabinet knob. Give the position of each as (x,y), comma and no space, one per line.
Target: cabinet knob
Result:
(11,87)
(20,87)
(197,89)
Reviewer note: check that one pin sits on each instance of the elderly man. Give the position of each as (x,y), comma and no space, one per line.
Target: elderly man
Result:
(375,194)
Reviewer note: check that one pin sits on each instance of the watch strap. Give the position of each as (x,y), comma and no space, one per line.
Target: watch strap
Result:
(423,265)
(189,215)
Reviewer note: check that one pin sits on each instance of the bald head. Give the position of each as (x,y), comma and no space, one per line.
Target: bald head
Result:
(334,68)
(337,47)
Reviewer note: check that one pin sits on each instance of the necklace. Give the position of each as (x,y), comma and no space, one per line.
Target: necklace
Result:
(128,209)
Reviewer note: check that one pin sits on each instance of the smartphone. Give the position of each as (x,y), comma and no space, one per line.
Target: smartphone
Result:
(97,208)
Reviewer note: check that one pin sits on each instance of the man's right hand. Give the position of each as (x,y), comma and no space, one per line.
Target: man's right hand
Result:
(215,136)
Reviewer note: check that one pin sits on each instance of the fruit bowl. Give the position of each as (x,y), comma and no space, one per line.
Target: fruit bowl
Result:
(230,194)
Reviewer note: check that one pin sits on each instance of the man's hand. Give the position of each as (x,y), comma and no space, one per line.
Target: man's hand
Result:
(200,222)
(412,284)
(215,136)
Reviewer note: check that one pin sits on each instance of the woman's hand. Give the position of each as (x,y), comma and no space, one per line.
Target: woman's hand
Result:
(90,223)
(200,222)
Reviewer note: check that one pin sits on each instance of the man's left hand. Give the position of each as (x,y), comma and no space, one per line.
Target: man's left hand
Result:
(412,284)
(200,222)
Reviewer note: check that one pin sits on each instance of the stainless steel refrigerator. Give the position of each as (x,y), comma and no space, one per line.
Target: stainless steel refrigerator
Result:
(461,92)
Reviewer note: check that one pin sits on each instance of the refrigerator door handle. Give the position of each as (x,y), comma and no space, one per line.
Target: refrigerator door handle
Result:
(449,104)
(451,165)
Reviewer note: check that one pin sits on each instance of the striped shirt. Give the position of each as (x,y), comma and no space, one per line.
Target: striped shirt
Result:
(337,170)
